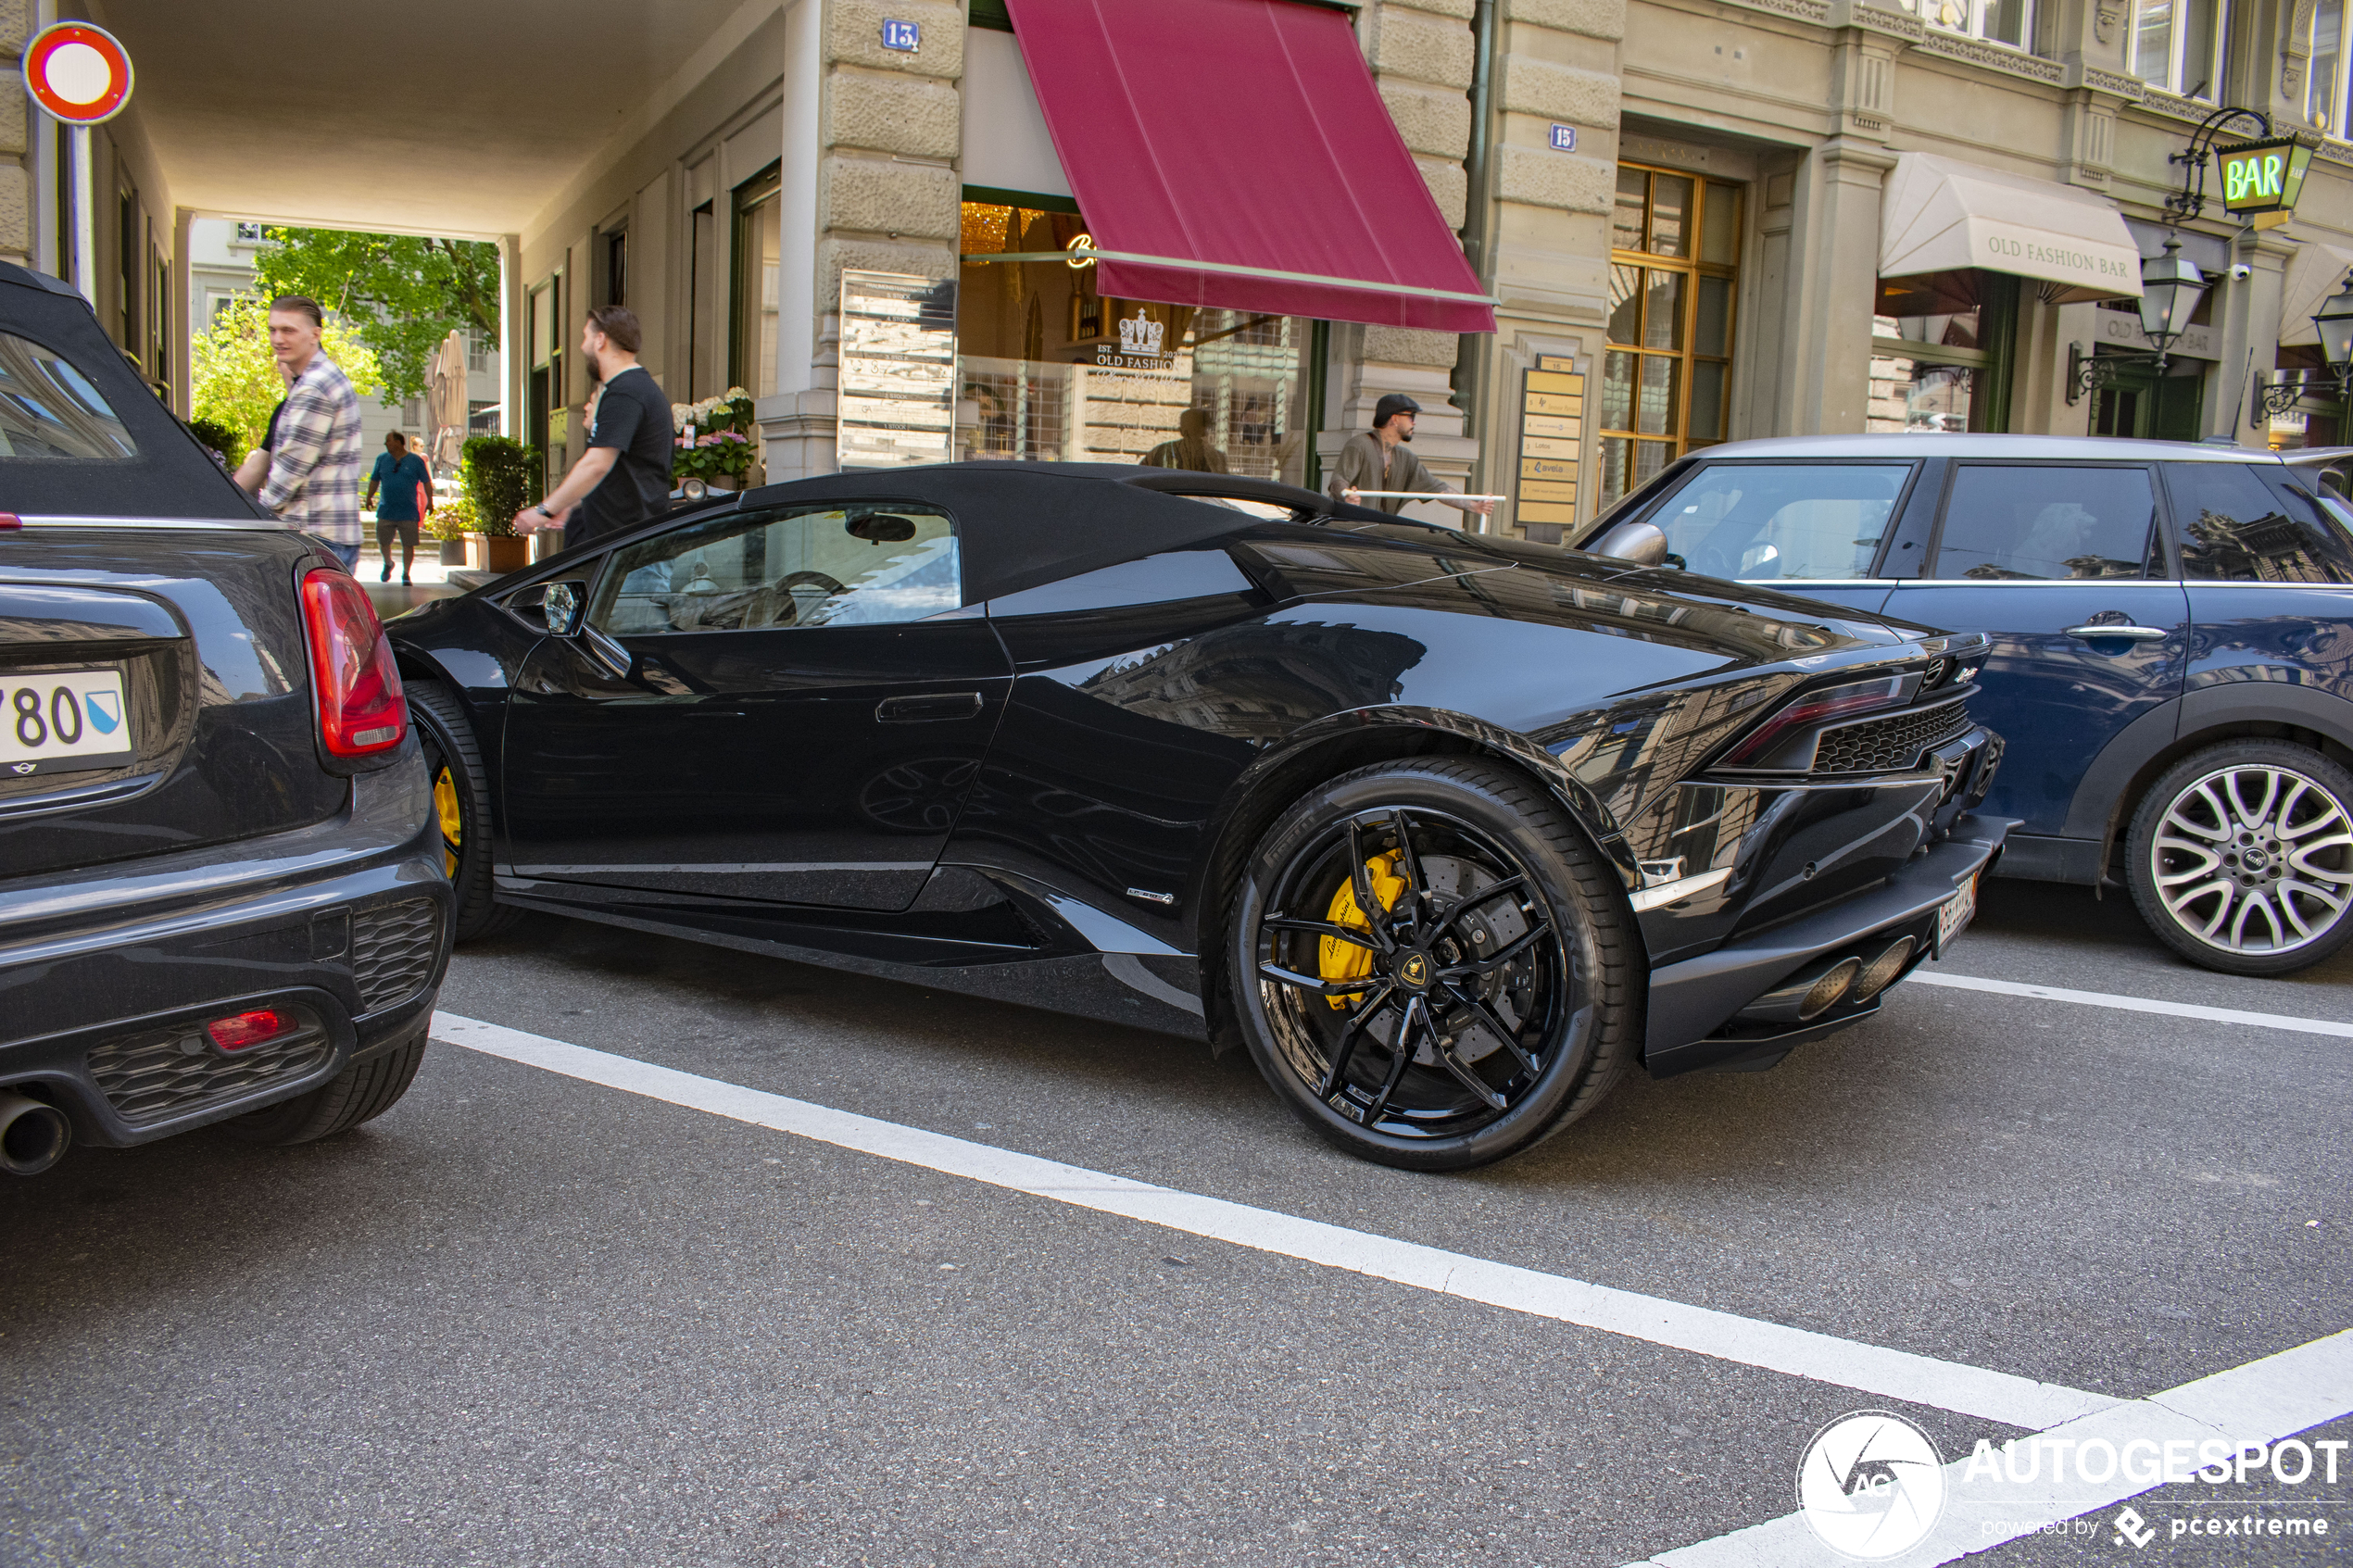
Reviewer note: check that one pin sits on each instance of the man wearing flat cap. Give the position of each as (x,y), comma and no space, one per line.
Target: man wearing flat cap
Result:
(1378,459)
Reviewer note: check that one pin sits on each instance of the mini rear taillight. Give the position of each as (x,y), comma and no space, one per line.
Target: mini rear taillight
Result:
(10,520)
(361,710)
(239,1030)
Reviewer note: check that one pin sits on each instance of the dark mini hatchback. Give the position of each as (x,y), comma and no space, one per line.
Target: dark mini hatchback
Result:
(223,895)
(2172,647)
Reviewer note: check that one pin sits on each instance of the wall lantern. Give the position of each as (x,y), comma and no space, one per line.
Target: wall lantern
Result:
(2170,288)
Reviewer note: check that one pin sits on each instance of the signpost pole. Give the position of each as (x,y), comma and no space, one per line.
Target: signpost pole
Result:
(86,218)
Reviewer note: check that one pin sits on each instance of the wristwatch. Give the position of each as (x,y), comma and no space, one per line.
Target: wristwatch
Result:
(542,510)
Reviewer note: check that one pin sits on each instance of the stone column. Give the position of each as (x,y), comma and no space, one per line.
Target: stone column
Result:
(16,139)
(1827,341)
(888,133)
(2251,326)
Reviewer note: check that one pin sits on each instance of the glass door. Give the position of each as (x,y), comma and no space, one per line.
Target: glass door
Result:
(1667,375)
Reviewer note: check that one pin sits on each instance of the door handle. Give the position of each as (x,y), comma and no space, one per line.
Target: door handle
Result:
(929,708)
(2120,633)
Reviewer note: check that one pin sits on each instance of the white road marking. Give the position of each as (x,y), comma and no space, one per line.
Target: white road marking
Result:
(1870,1368)
(2133,1004)
(2261,1402)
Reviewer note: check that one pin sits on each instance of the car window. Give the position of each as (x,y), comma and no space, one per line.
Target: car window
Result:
(49,410)
(2233,528)
(2049,522)
(866,563)
(1774,521)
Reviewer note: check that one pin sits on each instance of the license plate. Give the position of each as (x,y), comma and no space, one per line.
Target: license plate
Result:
(1956,914)
(62,722)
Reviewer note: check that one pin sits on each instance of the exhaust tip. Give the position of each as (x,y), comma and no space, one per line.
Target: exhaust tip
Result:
(1824,994)
(1882,970)
(34,1134)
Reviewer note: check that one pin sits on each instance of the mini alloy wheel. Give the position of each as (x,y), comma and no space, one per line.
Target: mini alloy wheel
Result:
(1422,965)
(2241,858)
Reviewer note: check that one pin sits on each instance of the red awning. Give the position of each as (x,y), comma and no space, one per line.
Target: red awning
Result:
(1236,153)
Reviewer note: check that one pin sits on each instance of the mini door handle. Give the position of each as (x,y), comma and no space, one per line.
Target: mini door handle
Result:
(2123,633)
(929,708)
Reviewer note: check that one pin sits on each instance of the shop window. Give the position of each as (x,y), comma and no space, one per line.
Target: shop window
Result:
(2325,83)
(759,262)
(2177,46)
(2318,416)
(2002,21)
(1940,353)
(1049,369)
(1666,376)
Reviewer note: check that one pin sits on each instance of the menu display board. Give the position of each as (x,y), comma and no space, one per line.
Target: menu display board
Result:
(898,382)
(1551,430)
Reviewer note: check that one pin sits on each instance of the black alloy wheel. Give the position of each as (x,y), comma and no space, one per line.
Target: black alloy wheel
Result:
(461,805)
(2241,858)
(1432,966)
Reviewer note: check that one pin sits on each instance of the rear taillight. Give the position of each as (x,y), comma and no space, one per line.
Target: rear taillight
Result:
(10,520)
(239,1030)
(361,710)
(1817,707)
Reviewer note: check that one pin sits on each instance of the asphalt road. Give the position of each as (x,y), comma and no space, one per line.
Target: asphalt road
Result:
(529,1319)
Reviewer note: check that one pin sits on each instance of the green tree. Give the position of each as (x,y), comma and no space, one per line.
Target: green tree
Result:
(402,294)
(233,378)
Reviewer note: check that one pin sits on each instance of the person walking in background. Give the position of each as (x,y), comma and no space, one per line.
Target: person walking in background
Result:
(624,478)
(1190,449)
(1378,459)
(404,484)
(313,481)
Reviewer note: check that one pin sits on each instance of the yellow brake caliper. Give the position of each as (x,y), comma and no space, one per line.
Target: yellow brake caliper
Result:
(1336,960)
(444,804)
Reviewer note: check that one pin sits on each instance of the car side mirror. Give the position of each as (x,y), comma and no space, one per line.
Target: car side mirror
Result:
(557,605)
(881,528)
(563,605)
(1644,543)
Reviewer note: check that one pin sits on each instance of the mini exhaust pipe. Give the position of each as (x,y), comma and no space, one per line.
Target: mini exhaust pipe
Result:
(34,1134)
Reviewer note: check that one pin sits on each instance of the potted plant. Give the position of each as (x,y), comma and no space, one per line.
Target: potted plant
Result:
(500,476)
(452,521)
(715,442)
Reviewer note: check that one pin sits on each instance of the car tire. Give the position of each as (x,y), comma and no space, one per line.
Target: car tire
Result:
(2235,855)
(1524,1006)
(461,801)
(363,1092)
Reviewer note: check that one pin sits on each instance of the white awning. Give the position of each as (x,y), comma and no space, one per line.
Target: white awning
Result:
(1940,215)
(2313,274)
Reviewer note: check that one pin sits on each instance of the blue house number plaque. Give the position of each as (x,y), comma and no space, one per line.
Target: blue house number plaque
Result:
(1564,138)
(907,37)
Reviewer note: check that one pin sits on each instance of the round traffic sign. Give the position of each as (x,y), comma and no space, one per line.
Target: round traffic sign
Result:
(78,73)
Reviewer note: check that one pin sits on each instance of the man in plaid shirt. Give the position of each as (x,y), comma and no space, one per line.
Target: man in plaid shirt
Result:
(314,439)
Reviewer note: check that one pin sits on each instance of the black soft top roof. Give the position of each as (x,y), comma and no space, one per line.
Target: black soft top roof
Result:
(1027,523)
(172,474)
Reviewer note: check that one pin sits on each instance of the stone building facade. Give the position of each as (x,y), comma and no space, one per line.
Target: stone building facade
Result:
(1681,205)
(1697,218)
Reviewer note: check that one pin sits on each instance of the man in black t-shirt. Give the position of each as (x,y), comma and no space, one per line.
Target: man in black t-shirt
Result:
(624,478)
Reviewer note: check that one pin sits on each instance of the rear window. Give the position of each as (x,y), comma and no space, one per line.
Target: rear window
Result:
(1766,523)
(2233,528)
(49,410)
